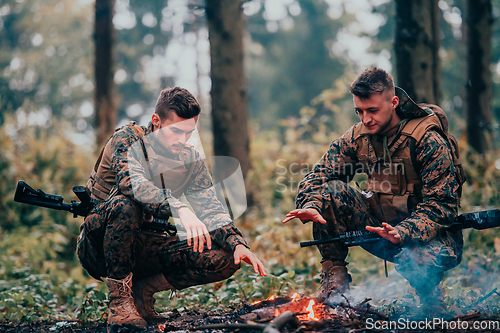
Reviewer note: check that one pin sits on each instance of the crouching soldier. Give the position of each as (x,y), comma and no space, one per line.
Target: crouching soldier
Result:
(414,179)
(140,175)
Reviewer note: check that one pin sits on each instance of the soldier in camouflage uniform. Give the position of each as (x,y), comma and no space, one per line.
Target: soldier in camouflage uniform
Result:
(140,175)
(411,207)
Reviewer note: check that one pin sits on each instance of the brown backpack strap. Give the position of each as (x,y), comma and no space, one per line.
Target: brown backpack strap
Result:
(95,179)
(365,152)
(137,129)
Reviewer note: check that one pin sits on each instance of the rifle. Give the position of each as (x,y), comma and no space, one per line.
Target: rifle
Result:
(26,194)
(478,220)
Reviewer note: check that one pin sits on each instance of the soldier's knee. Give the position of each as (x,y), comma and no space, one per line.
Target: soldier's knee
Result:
(223,264)
(229,269)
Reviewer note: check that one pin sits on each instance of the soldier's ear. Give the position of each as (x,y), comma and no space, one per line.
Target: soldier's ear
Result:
(155,119)
(395,102)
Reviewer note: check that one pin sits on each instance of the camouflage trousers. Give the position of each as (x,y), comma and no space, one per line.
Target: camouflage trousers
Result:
(423,265)
(112,244)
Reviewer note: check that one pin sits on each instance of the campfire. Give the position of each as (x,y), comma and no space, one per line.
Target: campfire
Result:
(294,298)
(276,314)
(306,309)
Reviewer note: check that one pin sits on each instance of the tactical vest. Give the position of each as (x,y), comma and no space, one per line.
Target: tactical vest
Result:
(397,185)
(166,173)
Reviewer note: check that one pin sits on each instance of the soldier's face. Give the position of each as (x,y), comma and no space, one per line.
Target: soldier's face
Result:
(173,132)
(378,112)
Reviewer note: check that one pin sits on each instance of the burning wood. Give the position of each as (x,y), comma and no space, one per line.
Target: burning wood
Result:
(306,309)
(275,315)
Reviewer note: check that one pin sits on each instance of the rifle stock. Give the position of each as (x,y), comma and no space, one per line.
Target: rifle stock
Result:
(27,195)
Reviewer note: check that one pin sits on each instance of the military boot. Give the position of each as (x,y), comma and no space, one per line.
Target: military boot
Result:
(432,302)
(334,283)
(144,290)
(121,309)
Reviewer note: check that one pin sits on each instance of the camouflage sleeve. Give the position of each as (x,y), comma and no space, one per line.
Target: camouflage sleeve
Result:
(154,200)
(202,197)
(336,163)
(439,191)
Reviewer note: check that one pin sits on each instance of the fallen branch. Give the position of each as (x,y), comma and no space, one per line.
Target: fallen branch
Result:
(277,324)
(468,316)
(273,327)
(494,291)
(367,310)
(228,325)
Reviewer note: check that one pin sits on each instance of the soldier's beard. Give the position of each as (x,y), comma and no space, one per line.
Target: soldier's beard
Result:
(385,127)
(168,148)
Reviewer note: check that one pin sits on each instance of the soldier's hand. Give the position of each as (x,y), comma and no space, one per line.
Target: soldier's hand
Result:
(305,215)
(196,231)
(388,232)
(242,253)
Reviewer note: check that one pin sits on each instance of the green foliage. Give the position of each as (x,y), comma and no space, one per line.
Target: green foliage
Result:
(37,282)
(45,58)
(244,286)
(41,279)
(483,174)
(45,159)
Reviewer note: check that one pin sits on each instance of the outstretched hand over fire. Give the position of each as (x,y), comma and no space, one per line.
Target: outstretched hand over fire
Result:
(305,215)
(242,253)
(388,232)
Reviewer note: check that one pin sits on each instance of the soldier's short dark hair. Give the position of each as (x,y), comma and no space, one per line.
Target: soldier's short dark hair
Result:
(178,100)
(372,81)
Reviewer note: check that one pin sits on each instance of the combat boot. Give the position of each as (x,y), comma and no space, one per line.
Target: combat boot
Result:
(144,300)
(432,302)
(121,309)
(334,283)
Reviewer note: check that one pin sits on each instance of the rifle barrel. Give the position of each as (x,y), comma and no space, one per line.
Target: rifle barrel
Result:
(478,220)
(319,241)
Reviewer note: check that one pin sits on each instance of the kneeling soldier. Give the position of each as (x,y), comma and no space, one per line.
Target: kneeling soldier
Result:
(412,195)
(140,175)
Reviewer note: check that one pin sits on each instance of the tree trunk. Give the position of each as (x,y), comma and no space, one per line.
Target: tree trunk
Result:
(229,98)
(105,108)
(479,86)
(417,46)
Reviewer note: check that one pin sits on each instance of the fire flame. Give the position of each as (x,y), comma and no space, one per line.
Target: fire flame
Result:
(270,298)
(295,296)
(162,327)
(310,315)
(276,312)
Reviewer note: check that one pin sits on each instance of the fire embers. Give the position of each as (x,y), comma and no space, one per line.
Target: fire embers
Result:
(306,309)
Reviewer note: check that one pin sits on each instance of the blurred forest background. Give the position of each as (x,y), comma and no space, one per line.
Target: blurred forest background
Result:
(73,70)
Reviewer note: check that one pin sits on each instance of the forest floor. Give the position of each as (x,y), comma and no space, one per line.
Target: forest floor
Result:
(283,314)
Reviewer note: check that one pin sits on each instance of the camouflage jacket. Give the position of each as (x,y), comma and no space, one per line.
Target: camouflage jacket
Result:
(431,215)
(132,174)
